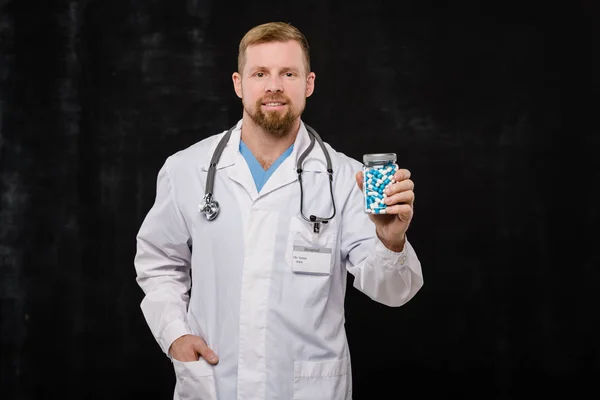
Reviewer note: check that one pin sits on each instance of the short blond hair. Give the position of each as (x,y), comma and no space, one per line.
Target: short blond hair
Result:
(273,32)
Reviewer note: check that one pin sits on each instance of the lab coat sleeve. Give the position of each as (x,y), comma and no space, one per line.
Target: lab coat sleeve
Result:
(388,277)
(162,264)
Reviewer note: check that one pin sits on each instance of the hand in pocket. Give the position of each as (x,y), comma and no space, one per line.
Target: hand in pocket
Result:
(188,347)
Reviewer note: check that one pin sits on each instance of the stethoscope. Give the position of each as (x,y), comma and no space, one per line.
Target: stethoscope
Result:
(210,207)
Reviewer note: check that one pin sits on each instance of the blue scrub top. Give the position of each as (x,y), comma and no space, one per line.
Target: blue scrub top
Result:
(259,174)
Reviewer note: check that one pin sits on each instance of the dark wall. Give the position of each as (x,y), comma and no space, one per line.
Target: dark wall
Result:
(474,97)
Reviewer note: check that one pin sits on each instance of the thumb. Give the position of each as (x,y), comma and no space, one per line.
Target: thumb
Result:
(359,180)
(205,351)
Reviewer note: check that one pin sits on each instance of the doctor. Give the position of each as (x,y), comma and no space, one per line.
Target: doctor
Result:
(250,305)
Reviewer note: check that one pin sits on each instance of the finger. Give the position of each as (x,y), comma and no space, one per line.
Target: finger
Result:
(404,211)
(399,187)
(205,351)
(406,197)
(402,174)
(359,180)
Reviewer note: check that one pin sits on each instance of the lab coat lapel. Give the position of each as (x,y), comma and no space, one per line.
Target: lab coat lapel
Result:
(232,162)
(239,171)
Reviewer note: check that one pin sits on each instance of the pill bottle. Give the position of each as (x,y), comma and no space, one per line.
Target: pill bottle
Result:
(378,172)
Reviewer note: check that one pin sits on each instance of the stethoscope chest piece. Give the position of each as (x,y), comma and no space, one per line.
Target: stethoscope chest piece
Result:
(209,207)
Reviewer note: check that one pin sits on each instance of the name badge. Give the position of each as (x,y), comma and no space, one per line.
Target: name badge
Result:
(311,260)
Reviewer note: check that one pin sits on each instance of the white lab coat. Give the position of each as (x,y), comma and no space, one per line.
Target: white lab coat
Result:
(279,333)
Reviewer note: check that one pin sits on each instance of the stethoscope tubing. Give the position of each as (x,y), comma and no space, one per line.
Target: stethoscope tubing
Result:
(210,207)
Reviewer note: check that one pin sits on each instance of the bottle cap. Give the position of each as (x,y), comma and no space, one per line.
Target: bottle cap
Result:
(379,158)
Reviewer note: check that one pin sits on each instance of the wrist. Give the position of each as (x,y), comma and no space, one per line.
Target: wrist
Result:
(396,245)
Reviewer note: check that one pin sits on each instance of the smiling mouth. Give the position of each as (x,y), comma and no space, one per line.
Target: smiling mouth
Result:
(273,104)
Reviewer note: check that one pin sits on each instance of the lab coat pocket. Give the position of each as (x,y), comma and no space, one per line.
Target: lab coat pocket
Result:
(309,252)
(195,380)
(324,380)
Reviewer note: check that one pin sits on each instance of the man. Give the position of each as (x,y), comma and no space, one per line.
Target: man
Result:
(250,304)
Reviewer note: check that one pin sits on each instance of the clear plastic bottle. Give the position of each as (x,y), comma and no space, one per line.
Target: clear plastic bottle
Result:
(378,171)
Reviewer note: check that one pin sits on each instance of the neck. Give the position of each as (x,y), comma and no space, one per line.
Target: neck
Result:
(265,146)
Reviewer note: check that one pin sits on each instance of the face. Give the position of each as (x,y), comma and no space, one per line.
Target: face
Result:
(274,85)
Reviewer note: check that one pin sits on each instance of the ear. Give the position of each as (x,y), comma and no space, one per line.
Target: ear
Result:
(310,84)
(237,84)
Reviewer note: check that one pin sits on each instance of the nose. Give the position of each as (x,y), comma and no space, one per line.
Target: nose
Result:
(274,84)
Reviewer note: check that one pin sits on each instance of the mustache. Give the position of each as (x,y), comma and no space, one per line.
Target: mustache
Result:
(275,99)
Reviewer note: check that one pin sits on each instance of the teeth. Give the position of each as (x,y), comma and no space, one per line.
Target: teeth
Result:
(273,104)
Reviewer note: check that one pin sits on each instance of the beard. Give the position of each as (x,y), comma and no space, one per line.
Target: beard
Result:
(274,122)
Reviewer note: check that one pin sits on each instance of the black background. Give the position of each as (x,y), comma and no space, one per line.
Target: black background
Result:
(484,102)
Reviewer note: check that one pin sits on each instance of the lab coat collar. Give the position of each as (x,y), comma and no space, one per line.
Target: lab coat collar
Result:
(287,171)
(285,174)
(315,160)
(228,157)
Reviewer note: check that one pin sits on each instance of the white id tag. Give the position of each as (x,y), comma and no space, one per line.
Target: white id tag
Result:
(311,260)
